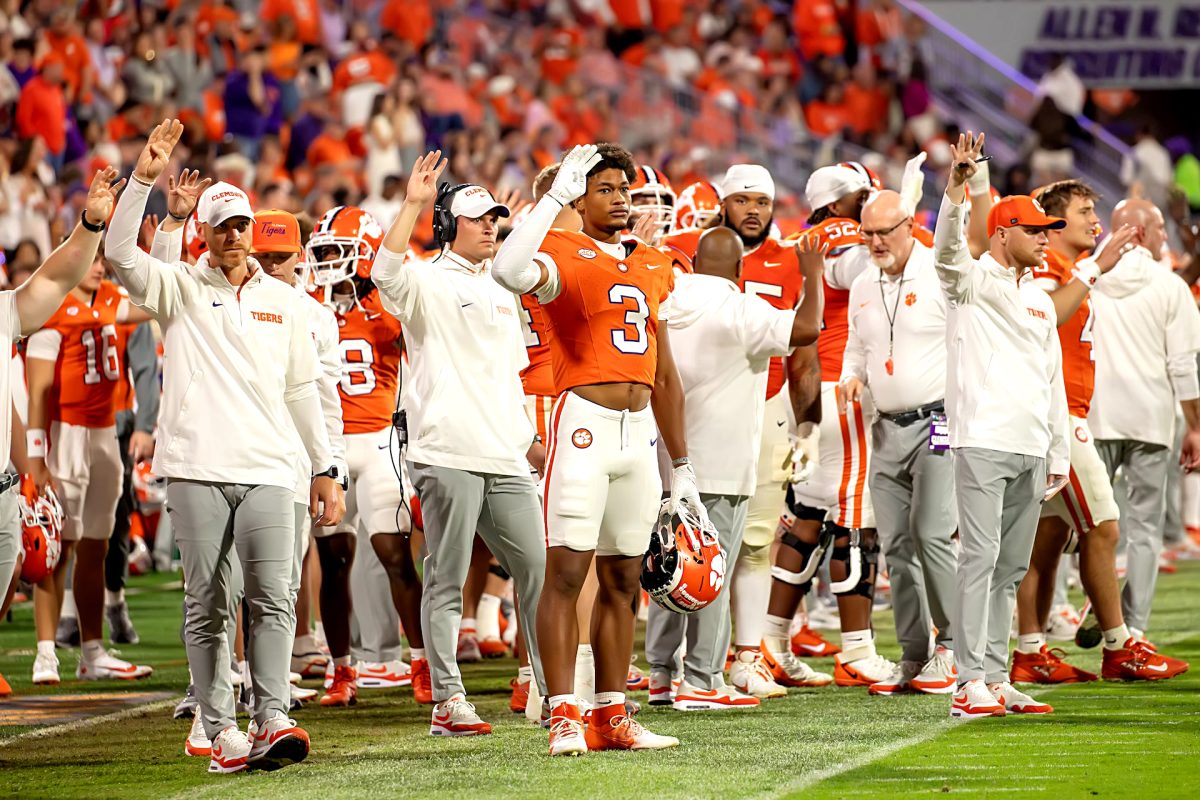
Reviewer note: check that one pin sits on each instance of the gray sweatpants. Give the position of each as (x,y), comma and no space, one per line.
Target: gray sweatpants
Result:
(707,630)
(999,502)
(10,538)
(455,504)
(211,522)
(913,491)
(1144,470)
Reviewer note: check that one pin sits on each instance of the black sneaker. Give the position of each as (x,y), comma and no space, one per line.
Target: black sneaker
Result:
(67,634)
(120,626)
(1088,634)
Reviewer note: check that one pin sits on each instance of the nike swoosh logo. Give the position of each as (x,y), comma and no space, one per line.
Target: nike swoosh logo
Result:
(769,264)
(864,305)
(384,446)
(652,266)
(1156,667)
(464,305)
(781,423)
(653,442)
(217,305)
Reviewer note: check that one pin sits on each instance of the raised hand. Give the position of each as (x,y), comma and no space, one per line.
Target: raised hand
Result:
(1120,243)
(511,200)
(963,156)
(184,194)
(102,196)
(157,153)
(422,183)
(646,229)
(146,232)
(811,253)
(571,181)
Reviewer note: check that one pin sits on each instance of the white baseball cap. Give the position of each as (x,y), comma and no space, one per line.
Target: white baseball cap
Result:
(475,201)
(830,184)
(223,201)
(747,179)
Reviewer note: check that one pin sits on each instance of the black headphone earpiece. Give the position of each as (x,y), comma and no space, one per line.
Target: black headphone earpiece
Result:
(445,228)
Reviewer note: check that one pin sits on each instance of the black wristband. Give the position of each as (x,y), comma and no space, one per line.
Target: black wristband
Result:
(171,214)
(83,220)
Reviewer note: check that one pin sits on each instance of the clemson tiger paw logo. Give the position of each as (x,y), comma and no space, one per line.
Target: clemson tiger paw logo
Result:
(581,438)
(910,298)
(716,575)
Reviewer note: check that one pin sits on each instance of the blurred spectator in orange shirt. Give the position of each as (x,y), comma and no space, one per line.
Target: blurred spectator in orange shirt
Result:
(666,14)
(42,109)
(817,26)
(305,16)
(777,54)
(866,102)
(361,76)
(410,20)
(829,114)
(64,39)
(560,53)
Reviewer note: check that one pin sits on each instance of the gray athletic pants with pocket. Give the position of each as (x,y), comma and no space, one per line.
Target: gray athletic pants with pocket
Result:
(504,509)
(707,630)
(10,537)
(1144,469)
(913,491)
(214,524)
(999,502)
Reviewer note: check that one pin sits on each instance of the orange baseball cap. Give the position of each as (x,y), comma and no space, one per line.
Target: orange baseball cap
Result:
(1021,209)
(276,231)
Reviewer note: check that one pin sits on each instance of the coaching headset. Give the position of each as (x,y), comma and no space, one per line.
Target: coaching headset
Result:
(445,226)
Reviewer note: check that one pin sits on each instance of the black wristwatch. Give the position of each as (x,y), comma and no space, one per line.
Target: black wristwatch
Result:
(334,473)
(83,220)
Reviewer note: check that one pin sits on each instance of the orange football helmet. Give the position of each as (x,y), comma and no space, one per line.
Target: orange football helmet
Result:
(865,171)
(343,244)
(651,193)
(697,205)
(684,568)
(149,489)
(41,530)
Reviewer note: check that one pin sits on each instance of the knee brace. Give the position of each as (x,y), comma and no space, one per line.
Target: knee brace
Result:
(499,572)
(860,555)
(801,511)
(811,556)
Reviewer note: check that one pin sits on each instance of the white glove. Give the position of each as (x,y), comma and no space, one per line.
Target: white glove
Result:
(571,181)
(979,182)
(806,452)
(913,183)
(683,490)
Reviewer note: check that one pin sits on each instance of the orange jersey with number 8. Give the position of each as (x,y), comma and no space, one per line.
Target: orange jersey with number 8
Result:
(604,321)
(370,342)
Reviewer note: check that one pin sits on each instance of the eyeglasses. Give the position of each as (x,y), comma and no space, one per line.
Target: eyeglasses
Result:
(867,235)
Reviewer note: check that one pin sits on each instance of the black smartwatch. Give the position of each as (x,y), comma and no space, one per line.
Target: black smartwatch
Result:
(83,220)
(333,472)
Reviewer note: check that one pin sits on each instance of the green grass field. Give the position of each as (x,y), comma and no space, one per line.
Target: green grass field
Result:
(1104,740)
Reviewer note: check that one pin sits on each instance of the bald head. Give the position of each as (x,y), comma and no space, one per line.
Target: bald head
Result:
(719,253)
(887,231)
(883,210)
(1146,218)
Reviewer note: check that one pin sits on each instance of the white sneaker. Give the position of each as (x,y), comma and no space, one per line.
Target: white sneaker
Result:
(787,670)
(566,735)
(1063,622)
(863,671)
(311,664)
(278,740)
(974,701)
(722,698)
(45,670)
(457,717)
(662,688)
(1016,702)
(383,675)
(230,751)
(750,675)
(197,743)
(939,675)
(899,681)
(302,695)
(109,667)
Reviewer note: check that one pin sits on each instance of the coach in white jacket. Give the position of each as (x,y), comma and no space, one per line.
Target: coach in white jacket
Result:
(239,381)
(1008,415)
(724,341)
(1147,334)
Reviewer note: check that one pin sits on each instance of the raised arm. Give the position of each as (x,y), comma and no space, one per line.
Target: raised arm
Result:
(980,185)
(807,325)
(396,284)
(953,261)
(44,292)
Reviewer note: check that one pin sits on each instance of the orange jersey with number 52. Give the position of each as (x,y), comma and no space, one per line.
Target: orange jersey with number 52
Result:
(604,321)
(370,342)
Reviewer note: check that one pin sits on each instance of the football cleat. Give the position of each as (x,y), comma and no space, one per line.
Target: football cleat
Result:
(1062,623)
(789,671)
(662,688)
(636,680)
(807,642)
(492,648)
(722,698)
(383,675)
(457,717)
(278,740)
(468,647)
(45,670)
(120,626)
(67,633)
(566,731)
(861,671)
(1139,661)
(422,682)
(1088,634)
(520,696)
(1046,666)
(899,682)
(310,665)
(938,675)
(624,733)
(108,667)
(750,675)
(197,743)
(343,691)
(230,751)
(1015,702)
(974,701)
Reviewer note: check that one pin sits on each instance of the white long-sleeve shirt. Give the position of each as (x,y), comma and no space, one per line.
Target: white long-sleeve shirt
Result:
(723,341)
(463,395)
(1004,387)
(1147,332)
(918,307)
(239,365)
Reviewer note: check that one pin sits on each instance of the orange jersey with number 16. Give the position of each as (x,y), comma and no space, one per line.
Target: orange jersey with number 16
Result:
(370,342)
(91,360)
(604,321)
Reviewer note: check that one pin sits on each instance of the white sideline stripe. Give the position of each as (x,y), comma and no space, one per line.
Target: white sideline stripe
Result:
(70,727)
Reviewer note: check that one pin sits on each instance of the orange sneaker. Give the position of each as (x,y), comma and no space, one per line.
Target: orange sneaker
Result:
(623,733)
(807,642)
(636,680)
(566,731)
(492,648)
(520,696)
(1139,661)
(343,691)
(422,683)
(1046,666)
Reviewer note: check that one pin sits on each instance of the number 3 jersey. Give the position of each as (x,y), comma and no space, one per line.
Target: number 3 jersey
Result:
(603,303)
(81,338)
(370,342)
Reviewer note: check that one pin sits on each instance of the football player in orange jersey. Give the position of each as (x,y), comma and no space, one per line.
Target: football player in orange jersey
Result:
(74,366)
(696,205)
(651,195)
(605,299)
(1086,505)
(339,257)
